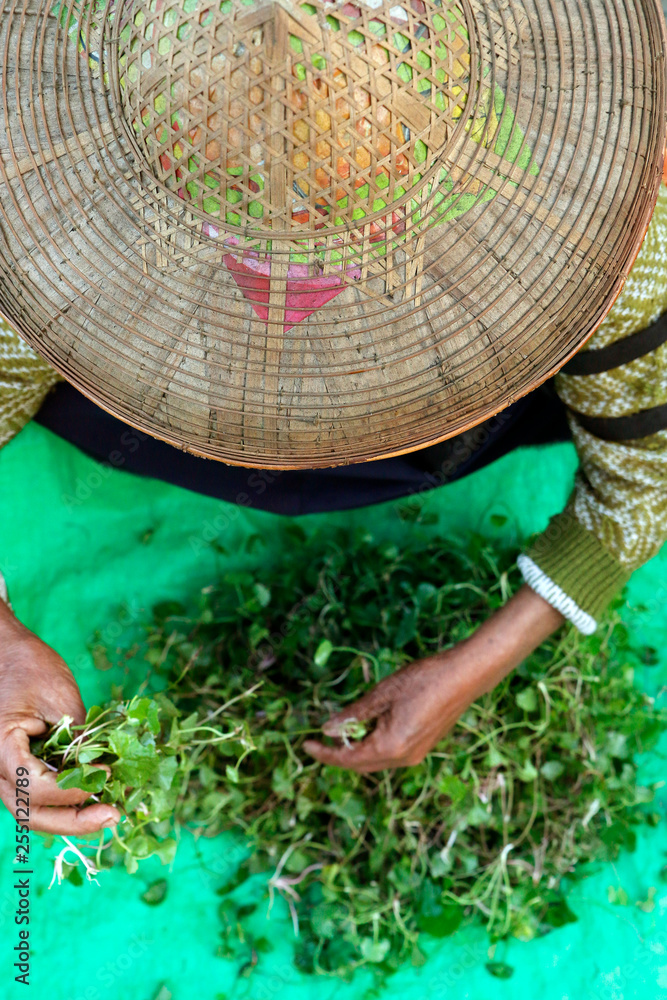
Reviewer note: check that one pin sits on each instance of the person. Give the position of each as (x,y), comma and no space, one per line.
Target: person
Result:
(610,398)
(615,520)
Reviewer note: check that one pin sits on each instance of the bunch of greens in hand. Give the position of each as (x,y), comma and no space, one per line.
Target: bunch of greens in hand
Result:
(537,778)
(138,756)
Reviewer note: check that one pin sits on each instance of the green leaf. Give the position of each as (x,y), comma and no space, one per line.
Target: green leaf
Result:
(93,712)
(263,945)
(89,754)
(444,923)
(619,835)
(435,917)
(527,699)
(407,629)
(282,784)
(297,861)
(326,919)
(100,658)
(166,772)
(153,718)
(138,709)
(166,851)
(417,957)
(304,806)
(649,656)
(453,787)
(156,892)
(352,729)
(257,634)
(616,745)
(134,799)
(144,845)
(163,994)
(351,808)
(168,609)
(552,769)
(90,779)
(137,764)
(494,758)
(528,772)
(499,969)
(263,594)
(322,653)
(425,595)
(618,896)
(130,862)
(567,741)
(374,951)
(559,913)
(73,875)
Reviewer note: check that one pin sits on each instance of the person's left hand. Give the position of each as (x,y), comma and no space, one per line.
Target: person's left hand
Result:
(415,707)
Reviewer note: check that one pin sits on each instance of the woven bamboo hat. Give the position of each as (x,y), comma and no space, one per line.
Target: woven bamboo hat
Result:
(297,234)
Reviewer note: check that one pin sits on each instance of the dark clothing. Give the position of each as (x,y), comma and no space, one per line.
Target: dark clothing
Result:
(538,418)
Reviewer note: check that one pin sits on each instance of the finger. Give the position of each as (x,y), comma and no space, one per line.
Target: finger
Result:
(366,708)
(107,814)
(68,703)
(74,822)
(43,791)
(43,788)
(363,757)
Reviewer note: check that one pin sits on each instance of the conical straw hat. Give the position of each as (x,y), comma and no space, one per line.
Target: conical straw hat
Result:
(294,235)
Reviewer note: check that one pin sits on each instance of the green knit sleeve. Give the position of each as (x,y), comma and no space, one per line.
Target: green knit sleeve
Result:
(570,567)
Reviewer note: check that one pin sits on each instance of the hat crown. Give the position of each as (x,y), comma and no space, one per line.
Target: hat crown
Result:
(287,116)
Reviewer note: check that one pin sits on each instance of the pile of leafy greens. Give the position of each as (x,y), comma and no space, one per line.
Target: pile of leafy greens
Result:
(537,777)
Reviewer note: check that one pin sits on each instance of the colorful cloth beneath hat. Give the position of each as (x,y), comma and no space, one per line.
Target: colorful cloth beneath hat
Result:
(616,518)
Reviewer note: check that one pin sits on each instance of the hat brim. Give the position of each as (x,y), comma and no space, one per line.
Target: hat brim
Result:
(164,323)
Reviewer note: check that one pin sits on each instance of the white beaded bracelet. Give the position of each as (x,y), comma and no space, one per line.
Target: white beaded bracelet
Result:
(4,596)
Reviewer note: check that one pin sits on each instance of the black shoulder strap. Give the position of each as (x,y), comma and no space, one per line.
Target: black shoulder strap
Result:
(635,425)
(620,352)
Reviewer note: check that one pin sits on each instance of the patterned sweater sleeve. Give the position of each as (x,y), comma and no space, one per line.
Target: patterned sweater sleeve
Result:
(25,379)
(616,516)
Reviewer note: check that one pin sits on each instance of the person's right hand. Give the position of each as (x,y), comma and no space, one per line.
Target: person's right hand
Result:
(36,689)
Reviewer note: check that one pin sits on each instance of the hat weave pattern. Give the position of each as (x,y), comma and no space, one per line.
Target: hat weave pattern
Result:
(284,120)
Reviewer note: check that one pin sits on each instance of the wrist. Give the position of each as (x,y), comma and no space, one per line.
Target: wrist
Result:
(7,616)
(505,639)
(11,629)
